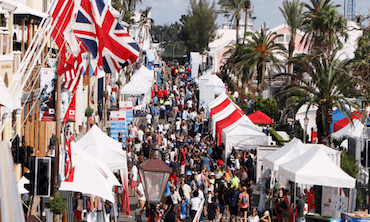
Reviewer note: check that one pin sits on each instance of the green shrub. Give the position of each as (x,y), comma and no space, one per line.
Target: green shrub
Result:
(58,204)
(89,111)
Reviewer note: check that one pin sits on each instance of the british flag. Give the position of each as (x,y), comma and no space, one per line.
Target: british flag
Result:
(110,45)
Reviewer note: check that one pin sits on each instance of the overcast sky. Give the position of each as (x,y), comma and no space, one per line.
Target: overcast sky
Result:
(170,11)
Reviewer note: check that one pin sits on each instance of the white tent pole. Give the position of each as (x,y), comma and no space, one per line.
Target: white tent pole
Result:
(294,196)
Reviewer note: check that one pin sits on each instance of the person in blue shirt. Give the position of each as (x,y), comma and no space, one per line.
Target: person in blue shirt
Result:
(196,127)
(183,210)
(205,162)
(167,192)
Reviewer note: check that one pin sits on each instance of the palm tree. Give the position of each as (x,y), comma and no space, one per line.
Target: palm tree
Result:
(292,12)
(260,52)
(145,20)
(232,8)
(324,26)
(237,66)
(131,4)
(247,6)
(332,87)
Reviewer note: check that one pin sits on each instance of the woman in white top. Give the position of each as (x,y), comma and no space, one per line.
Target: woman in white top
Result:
(254,216)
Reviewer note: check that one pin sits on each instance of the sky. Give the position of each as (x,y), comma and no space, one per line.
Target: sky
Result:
(170,11)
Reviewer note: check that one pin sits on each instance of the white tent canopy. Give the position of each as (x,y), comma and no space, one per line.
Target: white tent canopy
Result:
(145,73)
(101,146)
(241,134)
(215,83)
(90,175)
(217,101)
(136,86)
(292,150)
(314,167)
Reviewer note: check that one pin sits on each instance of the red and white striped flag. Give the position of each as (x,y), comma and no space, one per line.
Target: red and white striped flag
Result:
(69,169)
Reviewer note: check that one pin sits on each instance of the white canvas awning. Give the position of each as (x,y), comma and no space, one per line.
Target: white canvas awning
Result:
(107,149)
(90,175)
(294,149)
(137,86)
(145,73)
(315,167)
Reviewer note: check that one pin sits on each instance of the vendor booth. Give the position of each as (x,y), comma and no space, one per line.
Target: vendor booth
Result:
(210,86)
(259,117)
(315,167)
(242,135)
(216,102)
(223,114)
(107,149)
(89,175)
(145,73)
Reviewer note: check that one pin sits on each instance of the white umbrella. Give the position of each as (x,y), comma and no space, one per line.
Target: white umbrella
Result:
(90,175)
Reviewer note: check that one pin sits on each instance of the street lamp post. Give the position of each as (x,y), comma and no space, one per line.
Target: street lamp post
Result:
(154,174)
(305,120)
(290,123)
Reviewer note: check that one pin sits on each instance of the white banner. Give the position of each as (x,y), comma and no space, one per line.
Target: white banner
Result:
(199,212)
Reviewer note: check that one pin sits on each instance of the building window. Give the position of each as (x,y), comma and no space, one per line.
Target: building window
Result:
(280,39)
(2,20)
(288,37)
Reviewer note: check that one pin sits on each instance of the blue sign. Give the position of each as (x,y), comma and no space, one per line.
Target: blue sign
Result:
(118,125)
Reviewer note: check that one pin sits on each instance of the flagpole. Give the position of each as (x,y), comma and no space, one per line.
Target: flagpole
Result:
(58,133)
(88,91)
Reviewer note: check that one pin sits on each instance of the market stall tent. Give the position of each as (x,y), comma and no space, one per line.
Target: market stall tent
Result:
(259,117)
(345,121)
(145,73)
(294,149)
(107,149)
(354,130)
(90,175)
(223,114)
(243,133)
(220,125)
(137,86)
(221,98)
(315,167)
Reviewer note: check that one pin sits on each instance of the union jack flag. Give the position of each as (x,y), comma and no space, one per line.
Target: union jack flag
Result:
(110,45)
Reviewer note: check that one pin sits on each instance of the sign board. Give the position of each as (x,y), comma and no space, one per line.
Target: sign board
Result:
(339,204)
(128,107)
(117,125)
(48,79)
(327,200)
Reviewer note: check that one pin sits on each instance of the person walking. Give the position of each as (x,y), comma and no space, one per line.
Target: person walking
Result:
(244,204)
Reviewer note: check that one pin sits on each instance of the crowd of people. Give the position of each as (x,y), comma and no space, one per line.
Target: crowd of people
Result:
(177,125)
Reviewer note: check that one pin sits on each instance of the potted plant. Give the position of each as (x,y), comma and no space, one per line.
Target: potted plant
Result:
(58,205)
(88,113)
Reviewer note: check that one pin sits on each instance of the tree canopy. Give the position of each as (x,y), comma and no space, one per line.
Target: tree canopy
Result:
(199,25)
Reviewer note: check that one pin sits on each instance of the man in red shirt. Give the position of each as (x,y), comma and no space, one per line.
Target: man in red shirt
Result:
(311,201)
(165,93)
(159,93)
(182,161)
(173,178)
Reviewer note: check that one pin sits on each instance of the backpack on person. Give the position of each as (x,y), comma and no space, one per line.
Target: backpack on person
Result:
(244,199)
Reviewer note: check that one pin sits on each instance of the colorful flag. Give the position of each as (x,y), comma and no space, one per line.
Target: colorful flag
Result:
(69,169)
(110,45)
